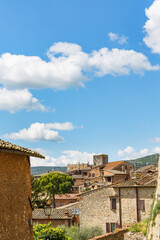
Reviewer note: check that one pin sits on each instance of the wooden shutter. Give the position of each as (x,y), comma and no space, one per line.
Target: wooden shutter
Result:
(141,205)
(113,203)
(108,228)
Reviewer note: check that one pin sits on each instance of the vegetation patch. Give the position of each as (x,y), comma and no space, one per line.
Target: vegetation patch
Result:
(156,211)
(140,227)
(76,233)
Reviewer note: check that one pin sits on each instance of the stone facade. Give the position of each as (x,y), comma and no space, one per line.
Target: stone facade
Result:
(118,235)
(100,159)
(15,197)
(55,222)
(95,206)
(154,229)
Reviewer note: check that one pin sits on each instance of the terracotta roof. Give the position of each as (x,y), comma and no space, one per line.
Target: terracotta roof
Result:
(112,165)
(148,180)
(66,196)
(7,146)
(113,172)
(56,214)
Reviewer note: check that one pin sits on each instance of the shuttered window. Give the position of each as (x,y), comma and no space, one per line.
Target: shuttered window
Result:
(113,203)
(141,205)
(108,228)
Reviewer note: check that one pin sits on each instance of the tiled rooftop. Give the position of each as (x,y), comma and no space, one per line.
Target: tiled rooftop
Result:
(18,149)
(112,165)
(65,196)
(56,214)
(141,180)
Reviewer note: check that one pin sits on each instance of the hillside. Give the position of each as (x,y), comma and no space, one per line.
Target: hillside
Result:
(44,169)
(143,161)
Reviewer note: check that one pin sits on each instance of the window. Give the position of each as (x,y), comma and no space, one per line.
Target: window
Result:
(56,204)
(141,205)
(110,227)
(109,179)
(113,203)
(61,203)
(93,174)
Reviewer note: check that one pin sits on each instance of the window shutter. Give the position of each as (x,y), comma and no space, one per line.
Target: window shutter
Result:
(108,228)
(113,203)
(142,205)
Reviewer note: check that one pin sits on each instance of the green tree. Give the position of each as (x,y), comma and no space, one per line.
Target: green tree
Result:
(47,232)
(55,183)
(38,197)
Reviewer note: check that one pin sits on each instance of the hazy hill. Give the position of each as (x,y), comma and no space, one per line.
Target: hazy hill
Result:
(143,161)
(44,169)
(139,162)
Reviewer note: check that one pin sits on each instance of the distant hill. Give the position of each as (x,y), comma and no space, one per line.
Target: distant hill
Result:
(44,169)
(143,161)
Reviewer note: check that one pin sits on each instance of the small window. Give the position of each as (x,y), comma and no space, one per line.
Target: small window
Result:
(56,204)
(61,203)
(141,205)
(109,179)
(110,227)
(113,203)
(93,174)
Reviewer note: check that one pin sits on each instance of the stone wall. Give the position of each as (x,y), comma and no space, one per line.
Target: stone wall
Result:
(118,235)
(55,222)
(154,229)
(95,206)
(15,192)
(100,159)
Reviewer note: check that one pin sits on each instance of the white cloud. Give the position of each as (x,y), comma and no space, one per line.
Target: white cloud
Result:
(119,62)
(152,27)
(15,100)
(127,150)
(130,153)
(41,131)
(67,157)
(115,37)
(68,66)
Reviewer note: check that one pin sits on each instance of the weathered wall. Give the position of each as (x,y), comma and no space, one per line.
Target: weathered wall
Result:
(154,229)
(100,159)
(15,209)
(95,207)
(55,222)
(118,235)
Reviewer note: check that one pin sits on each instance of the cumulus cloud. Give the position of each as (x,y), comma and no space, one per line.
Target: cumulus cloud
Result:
(41,132)
(130,153)
(152,27)
(68,66)
(15,100)
(67,157)
(115,37)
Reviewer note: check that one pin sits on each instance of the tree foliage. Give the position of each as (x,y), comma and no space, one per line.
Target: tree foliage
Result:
(47,232)
(46,186)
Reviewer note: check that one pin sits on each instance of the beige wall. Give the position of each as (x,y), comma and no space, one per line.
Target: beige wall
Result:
(55,222)
(95,206)
(15,191)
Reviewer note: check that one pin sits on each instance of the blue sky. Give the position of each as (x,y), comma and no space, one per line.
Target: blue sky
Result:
(79,78)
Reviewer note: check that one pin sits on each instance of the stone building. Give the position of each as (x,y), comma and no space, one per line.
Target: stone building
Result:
(58,217)
(100,159)
(65,199)
(15,192)
(117,206)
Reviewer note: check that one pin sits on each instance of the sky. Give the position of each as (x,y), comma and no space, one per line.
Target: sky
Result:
(79,78)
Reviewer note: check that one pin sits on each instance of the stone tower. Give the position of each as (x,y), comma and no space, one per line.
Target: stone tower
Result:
(100,159)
